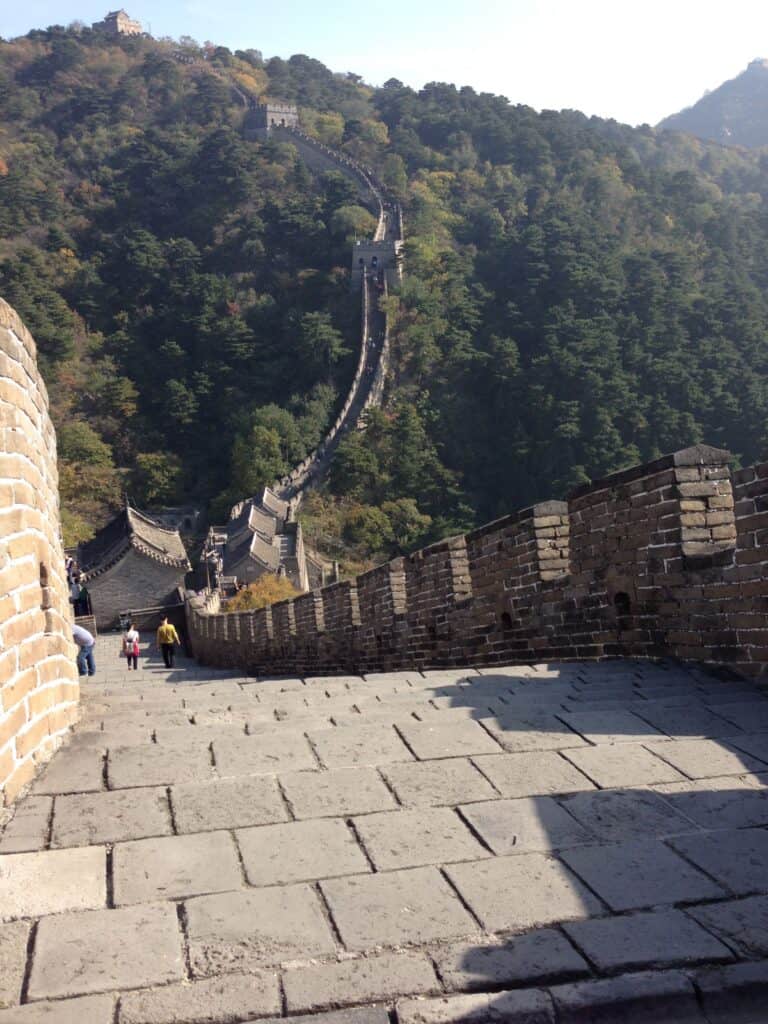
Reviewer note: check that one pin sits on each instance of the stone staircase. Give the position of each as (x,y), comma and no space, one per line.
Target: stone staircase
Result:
(512,844)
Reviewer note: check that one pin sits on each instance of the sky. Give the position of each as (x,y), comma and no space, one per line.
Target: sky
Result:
(636,62)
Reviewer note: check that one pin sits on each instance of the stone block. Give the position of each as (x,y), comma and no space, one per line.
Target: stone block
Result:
(82,819)
(338,792)
(743,924)
(227,803)
(401,907)
(736,994)
(360,1015)
(403,839)
(540,956)
(90,1009)
(636,941)
(28,828)
(536,823)
(526,891)
(52,881)
(366,980)
(749,715)
(457,739)
(523,1007)
(624,764)
(233,997)
(174,866)
(363,745)
(615,815)
(13,961)
(72,771)
(436,783)
(687,722)
(658,997)
(263,754)
(737,859)
(299,851)
(152,765)
(704,759)
(639,873)
(755,744)
(102,950)
(238,931)
(536,773)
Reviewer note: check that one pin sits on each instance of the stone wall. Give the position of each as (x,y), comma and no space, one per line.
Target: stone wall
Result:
(665,559)
(135,581)
(38,680)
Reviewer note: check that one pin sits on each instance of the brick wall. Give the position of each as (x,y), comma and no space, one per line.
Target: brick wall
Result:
(665,559)
(135,581)
(38,679)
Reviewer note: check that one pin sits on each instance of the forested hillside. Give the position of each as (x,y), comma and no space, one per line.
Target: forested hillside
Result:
(579,295)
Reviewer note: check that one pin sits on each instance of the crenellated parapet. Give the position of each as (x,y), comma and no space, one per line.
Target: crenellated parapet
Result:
(667,559)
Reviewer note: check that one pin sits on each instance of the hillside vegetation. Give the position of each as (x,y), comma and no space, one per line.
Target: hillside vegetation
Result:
(579,295)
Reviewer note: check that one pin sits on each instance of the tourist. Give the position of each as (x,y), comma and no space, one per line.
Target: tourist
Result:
(83,603)
(86,663)
(74,594)
(131,647)
(166,638)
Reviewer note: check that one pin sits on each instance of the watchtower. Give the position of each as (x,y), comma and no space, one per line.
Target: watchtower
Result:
(370,257)
(118,23)
(267,116)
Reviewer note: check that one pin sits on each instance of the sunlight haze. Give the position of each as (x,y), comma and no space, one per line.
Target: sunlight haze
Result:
(636,63)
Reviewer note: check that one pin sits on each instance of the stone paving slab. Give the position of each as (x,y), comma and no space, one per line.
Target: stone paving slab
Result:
(300,851)
(625,764)
(616,814)
(234,997)
(537,957)
(90,1009)
(363,745)
(738,860)
(13,961)
(83,819)
(227,803)
(662,938)
(240,931)
(755,743)
(334,793)
(521,826)
(531,1006)
(735,994)
(658,997)
(536,773)
(174,866)
(153,765)
(360,1015)
(72,771)
(29,827)
(640,873)
(365,980)
(403,839)
(401,907)
(259,755)
(702,759)
(610,726)
(687,722)
(525,891)
(539,732)
(52,881)
(458,739)
(449,782)
(742,924)
(102,950)
(751,716)
(729,802)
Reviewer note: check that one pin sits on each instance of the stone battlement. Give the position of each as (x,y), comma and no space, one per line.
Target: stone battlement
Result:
(668,559)
(38,680)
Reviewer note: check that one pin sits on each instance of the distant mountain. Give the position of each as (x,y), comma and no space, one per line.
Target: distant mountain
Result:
(735,114)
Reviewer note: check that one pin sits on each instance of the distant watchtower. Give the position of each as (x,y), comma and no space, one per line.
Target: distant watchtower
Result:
(269,115)
(369,257)
(118,23)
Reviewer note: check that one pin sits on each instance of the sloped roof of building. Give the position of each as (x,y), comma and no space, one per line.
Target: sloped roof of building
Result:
(132,530)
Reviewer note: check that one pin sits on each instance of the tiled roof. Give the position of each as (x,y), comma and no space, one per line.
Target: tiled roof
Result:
(131,529)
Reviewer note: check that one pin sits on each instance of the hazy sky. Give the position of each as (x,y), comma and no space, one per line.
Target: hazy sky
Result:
(633,61)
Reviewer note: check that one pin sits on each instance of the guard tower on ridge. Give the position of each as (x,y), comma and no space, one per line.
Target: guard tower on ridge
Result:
(269,115)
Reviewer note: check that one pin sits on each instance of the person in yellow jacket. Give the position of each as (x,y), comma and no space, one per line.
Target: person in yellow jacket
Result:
(167,637)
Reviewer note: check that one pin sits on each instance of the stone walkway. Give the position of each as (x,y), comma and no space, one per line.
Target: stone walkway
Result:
(522,844)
